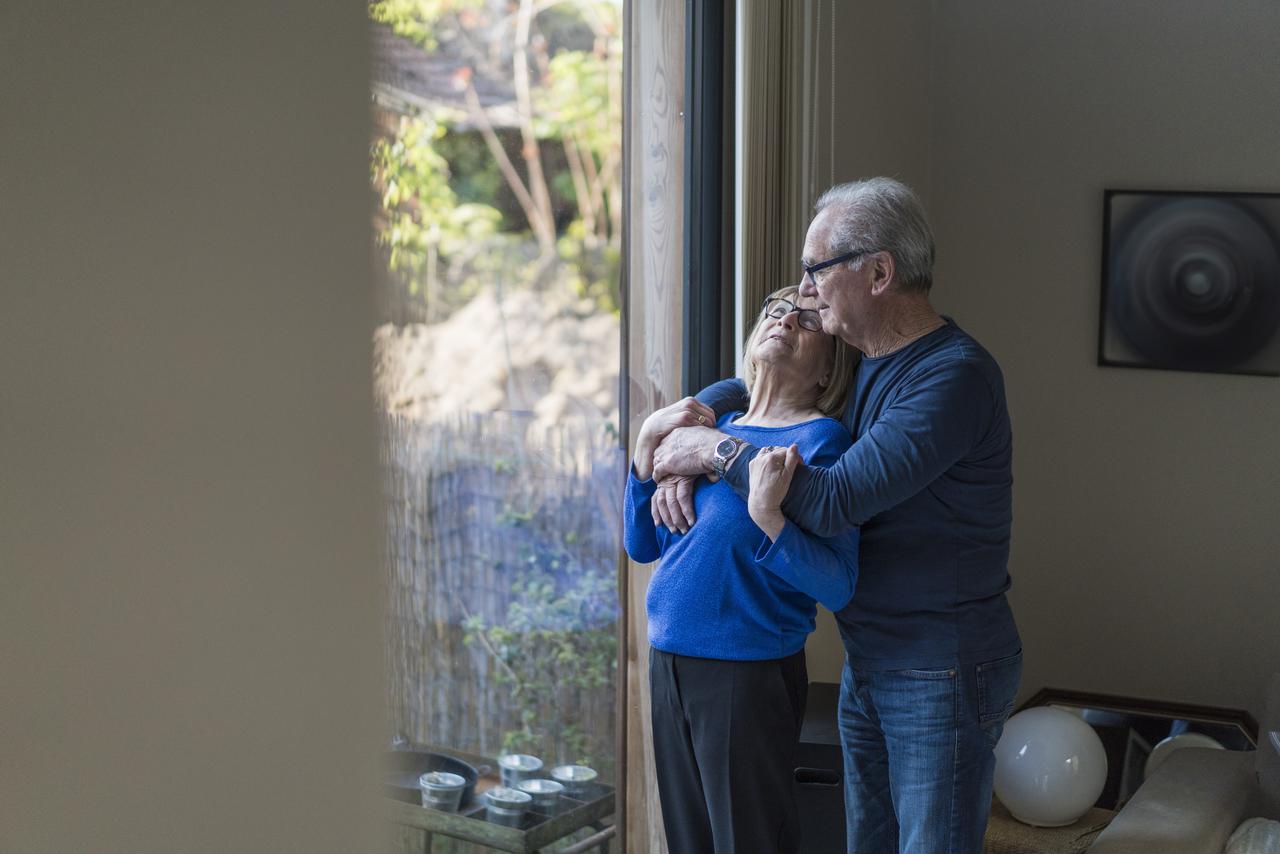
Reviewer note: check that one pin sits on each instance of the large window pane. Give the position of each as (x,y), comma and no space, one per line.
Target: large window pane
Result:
(496,167)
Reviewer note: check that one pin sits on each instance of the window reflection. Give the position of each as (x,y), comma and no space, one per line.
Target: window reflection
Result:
(496,164)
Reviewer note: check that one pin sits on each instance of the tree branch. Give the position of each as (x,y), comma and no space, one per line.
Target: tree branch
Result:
(505,165)
(586,197)
(596,191)
(544,227)
(485,642)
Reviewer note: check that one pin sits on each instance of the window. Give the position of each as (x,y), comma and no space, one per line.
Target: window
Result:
(496,163)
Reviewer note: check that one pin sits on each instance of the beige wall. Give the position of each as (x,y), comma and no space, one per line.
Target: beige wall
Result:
(189,638)
(1146,535)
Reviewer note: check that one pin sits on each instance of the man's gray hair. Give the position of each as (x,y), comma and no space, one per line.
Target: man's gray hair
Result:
(881,214)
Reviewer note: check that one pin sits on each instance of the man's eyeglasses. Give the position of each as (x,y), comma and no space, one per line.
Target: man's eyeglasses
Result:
(810,269)
(807,318)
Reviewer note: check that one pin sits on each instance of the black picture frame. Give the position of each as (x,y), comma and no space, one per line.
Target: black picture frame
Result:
(1239,718)
(1190,281)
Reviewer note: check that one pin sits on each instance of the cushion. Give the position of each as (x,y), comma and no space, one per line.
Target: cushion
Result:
(1189,805)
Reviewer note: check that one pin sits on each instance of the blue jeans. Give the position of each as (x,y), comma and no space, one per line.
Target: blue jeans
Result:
(918,760)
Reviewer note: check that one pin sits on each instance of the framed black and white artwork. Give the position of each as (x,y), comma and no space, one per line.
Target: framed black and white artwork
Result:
(1191,281)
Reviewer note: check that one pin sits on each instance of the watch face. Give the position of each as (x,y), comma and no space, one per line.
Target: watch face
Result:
(725,448)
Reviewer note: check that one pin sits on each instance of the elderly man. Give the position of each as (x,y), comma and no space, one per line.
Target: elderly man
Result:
(933,656)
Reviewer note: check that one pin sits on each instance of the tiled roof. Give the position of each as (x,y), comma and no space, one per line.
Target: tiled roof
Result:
(405,77)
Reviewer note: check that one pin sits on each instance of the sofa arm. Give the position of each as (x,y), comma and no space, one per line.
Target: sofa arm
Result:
(1190,805)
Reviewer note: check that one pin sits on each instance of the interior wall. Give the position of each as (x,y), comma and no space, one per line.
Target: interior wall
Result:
(190,644)
(1145,537)
(1146,540)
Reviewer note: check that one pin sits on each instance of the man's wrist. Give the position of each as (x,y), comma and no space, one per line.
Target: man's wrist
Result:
(709,455)
(723,454)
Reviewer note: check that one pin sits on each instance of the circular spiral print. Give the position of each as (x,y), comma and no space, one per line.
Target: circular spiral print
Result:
(1195,283)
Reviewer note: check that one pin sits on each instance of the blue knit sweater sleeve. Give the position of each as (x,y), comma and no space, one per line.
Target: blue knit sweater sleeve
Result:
(824,568)
(639,534)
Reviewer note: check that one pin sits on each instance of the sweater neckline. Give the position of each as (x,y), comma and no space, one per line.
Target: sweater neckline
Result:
(734,423)
(947,327)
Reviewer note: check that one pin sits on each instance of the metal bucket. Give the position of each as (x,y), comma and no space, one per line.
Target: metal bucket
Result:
(507,806)
(442,790)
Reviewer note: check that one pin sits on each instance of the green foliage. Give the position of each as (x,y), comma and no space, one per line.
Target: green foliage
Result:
(557,636)
(593,268)
(547,644)
(563,25)
(445,201)
(575,99)
(474,175)
(410,169)
(422,212)
(423,21)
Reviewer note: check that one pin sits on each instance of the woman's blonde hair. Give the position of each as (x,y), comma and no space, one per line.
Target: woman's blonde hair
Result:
(831,399)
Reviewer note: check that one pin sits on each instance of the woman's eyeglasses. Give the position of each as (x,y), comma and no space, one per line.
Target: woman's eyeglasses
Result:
(807,318)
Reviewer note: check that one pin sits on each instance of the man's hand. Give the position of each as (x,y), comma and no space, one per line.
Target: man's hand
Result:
(672,503)
(685,454)
(686,412)
(771,473)
(686,451)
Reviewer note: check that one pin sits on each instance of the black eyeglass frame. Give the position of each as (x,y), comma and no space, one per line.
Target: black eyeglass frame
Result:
(800,312)
(810,269)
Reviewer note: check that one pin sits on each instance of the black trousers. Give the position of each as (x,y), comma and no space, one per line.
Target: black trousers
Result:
(725,736)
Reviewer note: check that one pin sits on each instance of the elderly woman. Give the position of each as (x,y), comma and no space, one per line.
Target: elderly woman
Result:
(733,599)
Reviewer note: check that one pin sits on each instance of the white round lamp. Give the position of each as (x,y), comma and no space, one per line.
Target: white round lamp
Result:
(1050,767)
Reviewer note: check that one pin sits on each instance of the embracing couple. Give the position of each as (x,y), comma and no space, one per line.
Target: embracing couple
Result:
(863,462)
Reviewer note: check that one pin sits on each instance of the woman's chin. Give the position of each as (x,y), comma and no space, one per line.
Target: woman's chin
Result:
(769,360)
(773,348)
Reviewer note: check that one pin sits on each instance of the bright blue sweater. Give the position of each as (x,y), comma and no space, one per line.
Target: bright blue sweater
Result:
(929,480)
(723,590)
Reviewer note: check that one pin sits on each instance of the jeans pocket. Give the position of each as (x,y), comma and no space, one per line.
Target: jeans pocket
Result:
(947,673)
(998,687)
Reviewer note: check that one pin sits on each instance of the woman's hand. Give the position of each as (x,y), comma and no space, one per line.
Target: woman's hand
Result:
(771,472)
(686,412)
(672,503)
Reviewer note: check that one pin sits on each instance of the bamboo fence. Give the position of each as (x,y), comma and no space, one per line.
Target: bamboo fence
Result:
(502,607)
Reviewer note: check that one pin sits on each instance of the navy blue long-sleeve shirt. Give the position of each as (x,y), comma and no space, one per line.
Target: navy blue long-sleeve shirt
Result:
(929,480)
(724,590)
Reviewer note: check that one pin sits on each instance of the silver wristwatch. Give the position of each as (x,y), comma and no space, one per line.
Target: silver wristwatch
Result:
(724,452)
